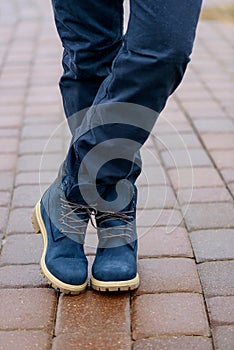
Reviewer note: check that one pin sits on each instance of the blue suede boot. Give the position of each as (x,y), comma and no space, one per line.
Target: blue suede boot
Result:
(115,264)
(62,219)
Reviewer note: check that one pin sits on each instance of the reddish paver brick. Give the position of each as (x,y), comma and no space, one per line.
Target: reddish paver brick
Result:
(27,196)
(175,343)
(20,221)
(21,249)
(24,340)
(5,198)
(86,340)
(185,158)
(223,159)
(159,217)
(169,314)
(231,188)
(223,337)
(213,244)
(10,122)
(198,177)
(228,175)
(7,162)
(103,313)
(217,277)
(156,197)
(221,310)
(6,132)
(158,242)
(27,309)
(35,178)
(214,125)
(21,276)
(218,141)
(204,195)
(168,275)
(209,215)
(6,180)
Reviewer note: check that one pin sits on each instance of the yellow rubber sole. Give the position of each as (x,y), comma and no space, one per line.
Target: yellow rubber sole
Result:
(115,286)
(39,227)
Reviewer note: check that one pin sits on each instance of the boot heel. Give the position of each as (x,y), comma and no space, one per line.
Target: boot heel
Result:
(35,224)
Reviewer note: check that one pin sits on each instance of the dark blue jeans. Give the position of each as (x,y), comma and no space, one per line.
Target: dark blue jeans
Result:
(104,68)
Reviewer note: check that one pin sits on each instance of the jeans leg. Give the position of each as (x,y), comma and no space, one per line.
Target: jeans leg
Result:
(148,68)
(91,35)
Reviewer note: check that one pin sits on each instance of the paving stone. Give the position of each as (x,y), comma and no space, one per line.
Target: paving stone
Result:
(221,310)
(156,197)
(214,125)
(217,277)
(150,158)
(27,196)
(185,159)
(3,218)
(223,159)
(204,195)
(103,313)
(27,309)
(5,198)
(7,162)
(177,141)
(39,163)
(95,341)
(169,315)
(42,145)
(159,217)
(218,141)
(231,188)
(213,244)
(175,343)
(21,249)
(168,275)
(8,145)
(223,337)
(35,178)
(198,177)
(162,241)
(228,175)
(20,221)
(153,176)
(209,215)
(29,131)
(12,276)
(6,180)
(24,340)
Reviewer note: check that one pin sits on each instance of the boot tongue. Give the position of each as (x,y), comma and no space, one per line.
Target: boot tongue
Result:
(83,194)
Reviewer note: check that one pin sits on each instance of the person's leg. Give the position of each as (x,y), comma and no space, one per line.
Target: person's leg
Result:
(147,69)
(91,34)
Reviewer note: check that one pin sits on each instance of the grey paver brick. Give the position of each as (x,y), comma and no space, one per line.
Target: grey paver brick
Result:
(221,310)
(198,177)
(204,195)
(159,217)
(163,241)
(217,277)
(224,337)
(168,275)
(6,180)
(214,125)
(27,309)
(20,221)
(156,197)
(218,141)
(169,314)
(209,215)
(213,244)
(175,343)
(21,249)
(185,159)
(223,159)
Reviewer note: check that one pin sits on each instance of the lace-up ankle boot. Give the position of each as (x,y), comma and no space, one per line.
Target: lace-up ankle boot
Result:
(115,264)
(62,219)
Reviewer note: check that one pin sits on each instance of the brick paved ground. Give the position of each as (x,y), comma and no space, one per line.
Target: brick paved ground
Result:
(186,297)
